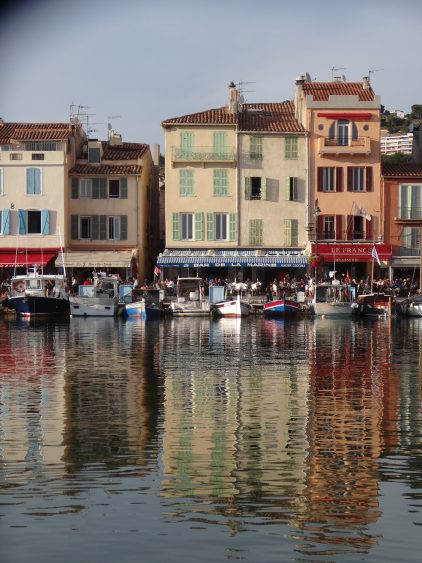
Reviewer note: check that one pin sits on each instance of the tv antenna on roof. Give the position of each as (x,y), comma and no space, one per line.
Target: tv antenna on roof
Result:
(109,118)
(334,70)
(371,71)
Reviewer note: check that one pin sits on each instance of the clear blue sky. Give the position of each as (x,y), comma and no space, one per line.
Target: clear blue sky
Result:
(148,61)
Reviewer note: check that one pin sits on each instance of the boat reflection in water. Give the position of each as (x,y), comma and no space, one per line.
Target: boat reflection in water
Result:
(198,429)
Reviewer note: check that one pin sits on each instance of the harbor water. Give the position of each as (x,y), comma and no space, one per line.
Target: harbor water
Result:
(194,439)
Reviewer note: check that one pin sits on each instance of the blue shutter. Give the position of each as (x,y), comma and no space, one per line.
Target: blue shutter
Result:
(37,181)
(5,221)
(22,221)
(30,181)
(45,221)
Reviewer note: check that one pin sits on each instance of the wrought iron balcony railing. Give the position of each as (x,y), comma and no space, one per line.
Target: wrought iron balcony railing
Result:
(344,145)
(201,154)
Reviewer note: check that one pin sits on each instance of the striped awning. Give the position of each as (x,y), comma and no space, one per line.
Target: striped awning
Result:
(97,259)
(235,260)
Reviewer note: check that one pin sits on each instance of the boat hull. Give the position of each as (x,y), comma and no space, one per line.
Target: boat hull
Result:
(93,307)
(335,309)
(231,309)
(280,308)
(38,306)
(411,307)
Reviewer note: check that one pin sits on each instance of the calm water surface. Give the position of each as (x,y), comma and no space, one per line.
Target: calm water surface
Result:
(198,440)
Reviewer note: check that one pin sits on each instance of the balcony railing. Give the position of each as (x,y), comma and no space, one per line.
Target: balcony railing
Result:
(34,146)
(409,213)
(342,145)
(203,154)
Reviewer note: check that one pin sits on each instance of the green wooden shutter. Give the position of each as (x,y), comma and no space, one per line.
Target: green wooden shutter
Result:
(22,215)
(287,233)
(294,232)
(220,145)
(199,226)
(95,188)
(220,182)
(248,188)
(255,232)
(291,188)
(74,227)
(185,182)
(102,227)
(102,188)
(186,144)
(123,188)
(45,222)
(263,188)
(210,226)
(95,233)
(233,226)
(255,148)
(123,227)
(75,188)
(176,226)
(5,221)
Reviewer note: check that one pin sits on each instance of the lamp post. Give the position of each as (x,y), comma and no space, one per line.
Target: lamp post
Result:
(317,211)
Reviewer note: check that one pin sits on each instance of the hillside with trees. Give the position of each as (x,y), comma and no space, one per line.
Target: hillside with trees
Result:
(395,124)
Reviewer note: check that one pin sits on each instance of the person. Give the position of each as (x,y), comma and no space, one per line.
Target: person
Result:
(269,292)
(75,285)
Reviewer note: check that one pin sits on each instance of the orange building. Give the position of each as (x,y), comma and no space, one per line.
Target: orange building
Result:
(344,213)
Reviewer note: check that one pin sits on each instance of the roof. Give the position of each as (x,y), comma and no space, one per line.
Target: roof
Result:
(34,132)
(402,169)
(271,117)
(106,169)
(321,91)
(125,151)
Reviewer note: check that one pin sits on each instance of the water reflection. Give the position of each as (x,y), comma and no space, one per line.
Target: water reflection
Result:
(246,423)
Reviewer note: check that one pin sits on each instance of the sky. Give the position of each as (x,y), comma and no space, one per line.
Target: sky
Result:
(135,63)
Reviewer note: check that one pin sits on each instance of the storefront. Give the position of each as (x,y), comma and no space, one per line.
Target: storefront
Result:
(83,263)
(16,258)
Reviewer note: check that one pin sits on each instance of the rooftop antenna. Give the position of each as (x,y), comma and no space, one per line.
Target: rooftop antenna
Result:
(109,125)
(334,69)
(241,85)
(371,71)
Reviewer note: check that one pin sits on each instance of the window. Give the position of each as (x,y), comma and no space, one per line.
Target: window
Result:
(15,156)
(186,182)
(220,182)
(255,188)
(38,156)
(410,241)
(186,144)
(85,227)
(291,189)
(339,133)
(290,148)
(188,226)
(41,146)
(358,227)
(255,232)
(117,188)
(220,145)
(255,148)
(291,232)
(34,222)
(85,187)
(221,224)
(328,227)
(328,179)
(410,202)
(359,179)
(114,228)
(94,155)
(33,181)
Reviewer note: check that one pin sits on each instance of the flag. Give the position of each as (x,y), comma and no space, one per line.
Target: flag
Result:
(362,212)
(157,271)
(375,255)
(347,277)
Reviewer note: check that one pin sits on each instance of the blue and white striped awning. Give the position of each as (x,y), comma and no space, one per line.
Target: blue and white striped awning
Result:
(246,259)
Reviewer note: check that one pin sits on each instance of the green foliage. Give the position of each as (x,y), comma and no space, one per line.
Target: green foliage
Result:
(416,111)
(396,158)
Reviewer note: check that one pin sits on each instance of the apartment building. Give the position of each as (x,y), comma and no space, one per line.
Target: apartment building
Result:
(35,159)
(236,190)
(391,144)
(344,215)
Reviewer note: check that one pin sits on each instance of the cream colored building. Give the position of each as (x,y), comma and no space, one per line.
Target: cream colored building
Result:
(35,159)
(236,189)
(110,201)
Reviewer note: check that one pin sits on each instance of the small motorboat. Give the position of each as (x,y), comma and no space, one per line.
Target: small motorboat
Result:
(281,308)
(231,308)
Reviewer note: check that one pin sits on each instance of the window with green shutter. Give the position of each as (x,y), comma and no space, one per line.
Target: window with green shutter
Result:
(123,227)
(199,226)
(176,226)
(255,232)
(233,226)
(185,182)
(255,188)
(290,232)
(291,188)
(255,148)
(186,145)
(220,182)
(210,226)
(220,145)
(290,148)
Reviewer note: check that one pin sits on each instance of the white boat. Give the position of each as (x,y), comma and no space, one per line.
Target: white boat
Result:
(36,294)
(100,299)
(231,308)
(410,306)
(331,301)
(189,300)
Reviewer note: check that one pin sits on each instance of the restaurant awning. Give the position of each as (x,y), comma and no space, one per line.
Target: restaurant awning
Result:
(351,252)
(226,259)
(26,258)
(97,259)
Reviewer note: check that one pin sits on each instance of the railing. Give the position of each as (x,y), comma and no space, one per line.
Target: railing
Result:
(360,145)
(404,251)
(34,146)
(200,154)
(410,213)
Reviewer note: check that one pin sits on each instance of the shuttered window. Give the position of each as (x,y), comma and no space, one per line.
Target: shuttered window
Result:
(185,182)
(220,145)
(290,148)
(291,232)
(255,148)
(5,222)
(186,144)
(33,181)
(255,232)
(220,182)
(291,188)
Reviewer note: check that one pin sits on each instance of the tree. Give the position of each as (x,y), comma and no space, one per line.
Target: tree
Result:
(396,158)
(416,111)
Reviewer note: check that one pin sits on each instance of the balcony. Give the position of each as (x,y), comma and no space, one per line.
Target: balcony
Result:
(203,155)
(340,145)
(409,215)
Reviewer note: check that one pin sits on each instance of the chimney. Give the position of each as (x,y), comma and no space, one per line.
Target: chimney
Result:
(298,99)
(114,138)
(156,155)
(233,103)
(365,83)
(1,122)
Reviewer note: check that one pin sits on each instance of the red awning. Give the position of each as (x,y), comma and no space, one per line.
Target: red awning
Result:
(346,115)
(29,258)
(351,252)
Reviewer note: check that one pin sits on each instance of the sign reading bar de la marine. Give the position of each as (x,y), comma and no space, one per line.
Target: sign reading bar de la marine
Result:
(349,252)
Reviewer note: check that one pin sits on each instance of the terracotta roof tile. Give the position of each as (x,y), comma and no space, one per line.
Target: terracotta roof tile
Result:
(270,117)
(322,90)
(34,132)
(400,170)
(125,151)
(106,169)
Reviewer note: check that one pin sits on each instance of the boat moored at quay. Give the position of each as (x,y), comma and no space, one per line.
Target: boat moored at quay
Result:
(99,299)
(189,300)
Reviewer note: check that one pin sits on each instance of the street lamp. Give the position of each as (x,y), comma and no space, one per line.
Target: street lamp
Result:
(317,211)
